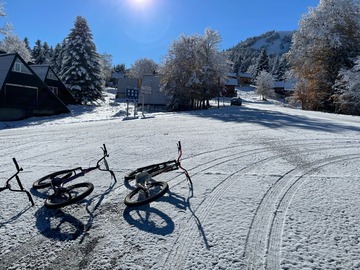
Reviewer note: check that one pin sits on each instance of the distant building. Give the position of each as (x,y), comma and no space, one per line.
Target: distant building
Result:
(230,85)
(125,83)
(284,88)
(245,78)
(152,94)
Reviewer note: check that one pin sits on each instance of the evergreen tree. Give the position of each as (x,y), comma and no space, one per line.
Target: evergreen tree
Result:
(27,45)
(55,60)
(47,51)
(81,68)
(120,68)
(262,63)
(37,53)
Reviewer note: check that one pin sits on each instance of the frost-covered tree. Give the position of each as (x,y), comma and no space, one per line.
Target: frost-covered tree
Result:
(141,67)
(262,63)
(193,69)
(264,85)
(7,28)
(81,68)
(13,44)
(347,88)
(327,40)
(106,66)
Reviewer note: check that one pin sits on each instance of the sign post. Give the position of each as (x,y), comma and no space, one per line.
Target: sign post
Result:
(132,95)
(144,90)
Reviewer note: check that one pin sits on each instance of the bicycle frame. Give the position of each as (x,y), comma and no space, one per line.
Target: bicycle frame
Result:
(8,186)
(57,183)
(167,166)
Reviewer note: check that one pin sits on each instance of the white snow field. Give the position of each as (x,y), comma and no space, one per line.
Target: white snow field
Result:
(273,188)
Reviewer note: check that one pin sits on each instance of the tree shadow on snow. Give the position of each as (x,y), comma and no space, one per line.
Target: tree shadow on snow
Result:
(149,219)
(271,119)
(58,225)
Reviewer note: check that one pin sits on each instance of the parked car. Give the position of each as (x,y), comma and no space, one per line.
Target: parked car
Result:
(236,101)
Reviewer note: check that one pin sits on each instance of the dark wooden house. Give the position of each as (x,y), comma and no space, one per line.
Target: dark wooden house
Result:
(22,93)
(49,77)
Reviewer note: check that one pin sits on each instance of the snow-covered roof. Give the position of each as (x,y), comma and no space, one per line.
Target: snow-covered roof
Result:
(245,75)
(287,85)
(231,81)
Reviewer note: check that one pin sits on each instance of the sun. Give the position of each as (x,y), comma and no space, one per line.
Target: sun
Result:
(140,3)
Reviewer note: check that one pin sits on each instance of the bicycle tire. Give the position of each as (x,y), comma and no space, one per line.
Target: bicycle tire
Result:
(70,195)
(137,197)
(45,181)
(150,169)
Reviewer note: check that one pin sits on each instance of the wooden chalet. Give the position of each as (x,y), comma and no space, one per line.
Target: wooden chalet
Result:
(49,77)
(230,85)
(22,93)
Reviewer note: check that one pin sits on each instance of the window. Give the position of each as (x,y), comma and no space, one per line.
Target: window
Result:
(17,67)
(20,67)
(51,76)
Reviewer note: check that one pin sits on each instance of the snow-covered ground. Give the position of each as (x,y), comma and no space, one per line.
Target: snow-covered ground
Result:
(273,188)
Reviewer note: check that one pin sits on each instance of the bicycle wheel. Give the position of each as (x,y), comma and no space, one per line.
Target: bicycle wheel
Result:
(153,169)
(140,197)
(45,181)
(69,195)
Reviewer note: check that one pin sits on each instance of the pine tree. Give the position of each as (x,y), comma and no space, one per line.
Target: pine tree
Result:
(37,53)
(47,52)
(27,45)
(55,60)
(81,68)
(262,63)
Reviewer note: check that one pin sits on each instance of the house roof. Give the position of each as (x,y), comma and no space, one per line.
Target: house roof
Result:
(245,75)
(40,70)
(6,61)
(231,81)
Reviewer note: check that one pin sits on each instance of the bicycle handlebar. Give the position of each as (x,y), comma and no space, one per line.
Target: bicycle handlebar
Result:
(17,165)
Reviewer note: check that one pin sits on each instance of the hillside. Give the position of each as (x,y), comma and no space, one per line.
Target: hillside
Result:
(245,53)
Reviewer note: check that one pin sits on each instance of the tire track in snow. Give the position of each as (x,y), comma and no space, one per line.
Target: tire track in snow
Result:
(262,247)
(278,221)
(186,236)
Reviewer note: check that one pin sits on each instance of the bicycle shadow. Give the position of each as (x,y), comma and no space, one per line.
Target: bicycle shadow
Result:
(15,217)
(184,203)
(58,225)
(91,212)
(43,194)
(146,218)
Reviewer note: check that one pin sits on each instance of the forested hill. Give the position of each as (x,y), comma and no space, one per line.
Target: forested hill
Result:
(245,54)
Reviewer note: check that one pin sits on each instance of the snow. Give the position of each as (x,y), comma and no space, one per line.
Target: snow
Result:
(273,188)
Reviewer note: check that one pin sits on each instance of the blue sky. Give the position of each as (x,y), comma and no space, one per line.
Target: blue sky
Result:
(133,29)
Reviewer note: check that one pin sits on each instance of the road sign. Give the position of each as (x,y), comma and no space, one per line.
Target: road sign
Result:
(132,94)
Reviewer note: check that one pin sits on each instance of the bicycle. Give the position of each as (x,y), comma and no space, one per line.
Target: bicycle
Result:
(146,188)
(66,195)
(8,186)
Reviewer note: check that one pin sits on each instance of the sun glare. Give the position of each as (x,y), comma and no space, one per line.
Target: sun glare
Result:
(140,3)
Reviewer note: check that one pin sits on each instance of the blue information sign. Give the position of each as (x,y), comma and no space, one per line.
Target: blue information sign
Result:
(132,94)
